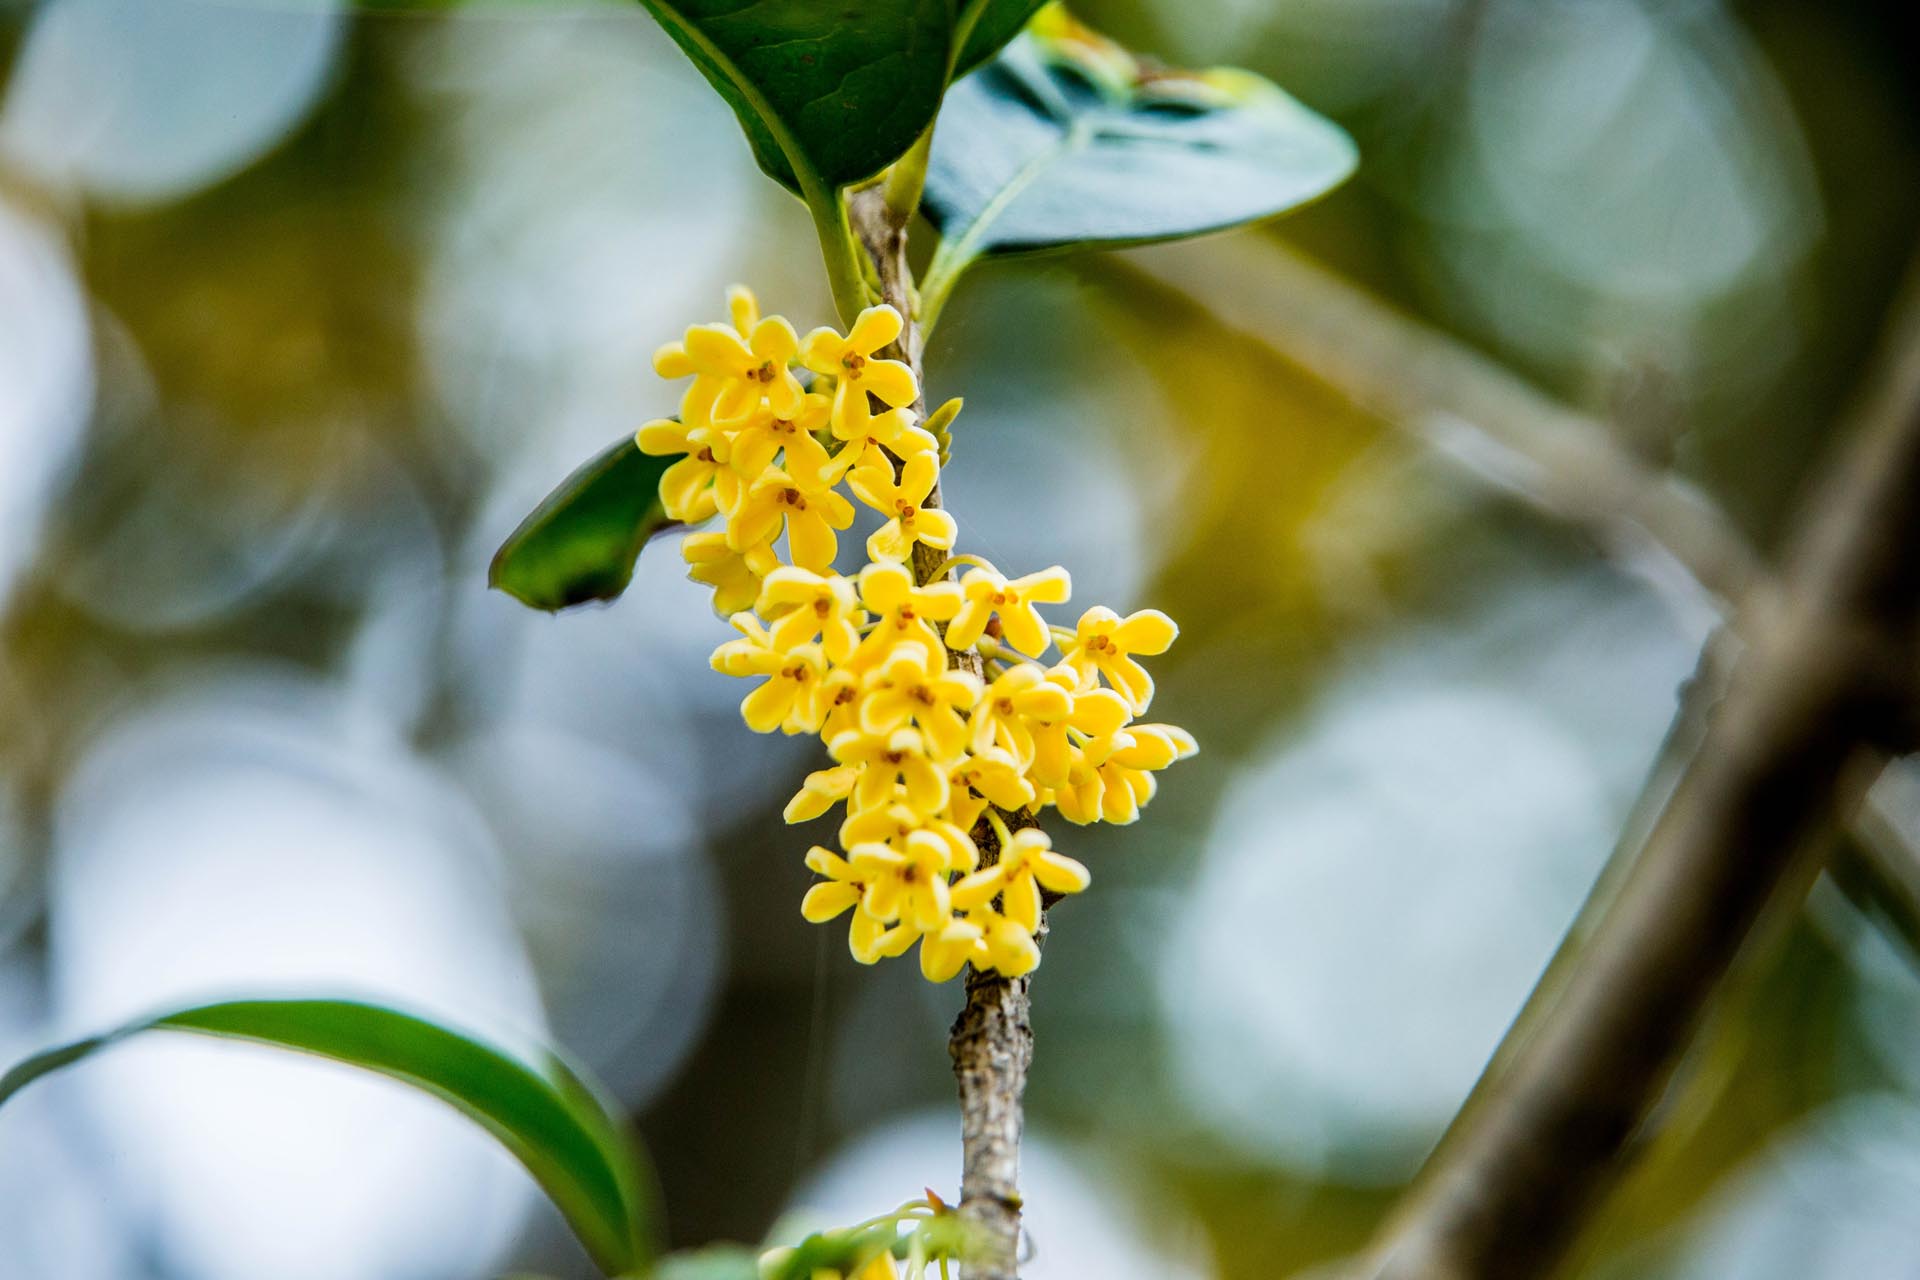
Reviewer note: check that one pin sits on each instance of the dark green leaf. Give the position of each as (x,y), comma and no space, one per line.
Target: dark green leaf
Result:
(580,544)
(828,91)
(1066,140)
(988,25)
(548,1119)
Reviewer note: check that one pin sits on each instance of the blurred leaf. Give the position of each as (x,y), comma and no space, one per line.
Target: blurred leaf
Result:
(988,25)
(828,94)
(580,543)
(1066,140)
(716,1262)
(549,1120)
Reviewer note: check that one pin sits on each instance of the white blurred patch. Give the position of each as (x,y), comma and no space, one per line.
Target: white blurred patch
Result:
(617,897)
(577,231)
(1081,1222)
(1379,896)
(54,1222)
(1831,1200)
(231,839)
(136,101)
(46,382)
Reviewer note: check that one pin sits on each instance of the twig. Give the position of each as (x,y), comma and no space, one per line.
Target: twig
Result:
(1821,692)
(992,1040)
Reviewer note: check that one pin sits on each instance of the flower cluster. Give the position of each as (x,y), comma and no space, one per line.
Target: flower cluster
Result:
(945,717)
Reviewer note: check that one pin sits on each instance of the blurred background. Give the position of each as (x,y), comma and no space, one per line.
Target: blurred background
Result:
(300,311)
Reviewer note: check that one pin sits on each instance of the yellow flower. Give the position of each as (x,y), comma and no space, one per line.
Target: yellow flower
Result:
(766,433)
(697,401)
(945,952)
(903,500)
(1124,763)
(822,789)
(1096,714)
(1027,865)
(840,891)
(873,940)
(752,654)
(867,446)
(987,593)
(1013,705)
(1005,946)
(839,702)
(856,373)
(1154,746)
(746,368)
(894,823)
(904,690)
(699,484)
(905,613)
(802,605)
(844,885)
(995,776)
(735,576)
(811,512)
(1104,642)
(886,759)
(908,881)
(743,308)
(785,701)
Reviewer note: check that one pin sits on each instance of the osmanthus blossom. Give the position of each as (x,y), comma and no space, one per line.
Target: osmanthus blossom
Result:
(902,497)
(948,729)
(988,594)
(857,370)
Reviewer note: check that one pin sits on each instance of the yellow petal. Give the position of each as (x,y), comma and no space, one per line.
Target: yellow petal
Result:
(670,361)
(811,541)
(717,349)
(1025,630)
(1149,631)
(873,329)
(1049,586)
(1057,873)
(889,543)
(821,350)
(662,436)
(889,382)
(826,900)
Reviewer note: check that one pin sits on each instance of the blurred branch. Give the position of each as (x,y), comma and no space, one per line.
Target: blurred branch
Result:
(1467,405)
(1819,692)
(992,1040)
(1569,465)
(1797,705)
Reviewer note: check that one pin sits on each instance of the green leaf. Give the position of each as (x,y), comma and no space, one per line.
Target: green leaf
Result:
(581,542)
(548,1119)
(1065,140)
(828,93)
(986,26)
(716,1262)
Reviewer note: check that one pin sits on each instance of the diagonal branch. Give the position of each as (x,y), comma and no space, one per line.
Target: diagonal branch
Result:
(1798,704)
(1568,465)
(1818,695)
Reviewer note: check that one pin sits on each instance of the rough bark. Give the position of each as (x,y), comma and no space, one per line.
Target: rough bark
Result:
(992,1040)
